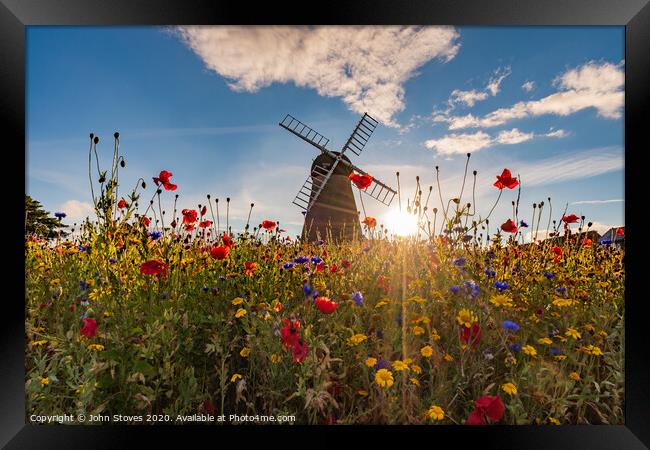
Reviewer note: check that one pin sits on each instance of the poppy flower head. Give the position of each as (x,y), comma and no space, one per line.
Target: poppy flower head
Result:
(361,181)
(220,252)
(369,222)
(509,226)
(487,407)
(300,351)
(226,240)
(570,219)
(154,267)
(122,204)
(89,328)
(290,333)
(620,232)
(325,305)
(250,268)
(472,335)
(505,180)
(164,179)
(269,225)
(189,216)
(205,224)
(146,221)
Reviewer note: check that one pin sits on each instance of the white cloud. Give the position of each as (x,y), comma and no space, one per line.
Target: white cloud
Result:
(598,202)
(513,136)
(591,85)
(528,86)
(495,82)
(557,133)
(467,97)
(365,66)
(459,143)
(77,210)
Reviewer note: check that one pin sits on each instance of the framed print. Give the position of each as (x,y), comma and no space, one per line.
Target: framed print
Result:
(387,220)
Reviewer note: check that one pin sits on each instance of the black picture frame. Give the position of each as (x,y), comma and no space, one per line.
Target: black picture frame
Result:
(15,15)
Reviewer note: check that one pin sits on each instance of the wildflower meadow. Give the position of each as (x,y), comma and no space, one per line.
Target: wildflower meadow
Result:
(145,312)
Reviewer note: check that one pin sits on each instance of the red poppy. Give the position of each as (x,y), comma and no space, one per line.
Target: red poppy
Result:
(208,407)
(487,407)
(204,210)
(122,204)
(471,335)
(558,253)
(226,240)
(189,228)
(361,181)
(334,268)
(346,264)
(154,267)
(325,305)
(505,180)
(320,267)
(620,232)
(219,252)
(300,351)
(205,224)
(90,327)
(278,307)
(570,219)
(164,179)
(269,225)
(146,221)
(189,216)
(509,226)
(290,333)
(587,242)
(249,268)
(369,222)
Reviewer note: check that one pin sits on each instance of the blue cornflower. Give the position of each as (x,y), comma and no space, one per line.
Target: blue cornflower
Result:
(554,351)
(306,289)
(287,266)
(155,235)
(605,242)
(561,290)
(316,260)
(501,285)
(59,215)
(83,248)
(472,287)
(205,289)
(515,347)
(490,273)
(381,364)
(523,224)
(454,289)
(510,326)
(112,260)
(83,285)
(549,275)
(458,262)
(358,298)
(300,259)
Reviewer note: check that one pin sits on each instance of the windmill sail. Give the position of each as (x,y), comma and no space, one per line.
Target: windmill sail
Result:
(359,137)
(313,186)
(304,132)
(378,190)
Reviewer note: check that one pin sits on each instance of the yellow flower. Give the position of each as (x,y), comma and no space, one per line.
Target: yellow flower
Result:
(107,314)
(417,330)
(39,343)
(592,350)
(529,350)
(466,318)
(415,381)
(417,369)
(435,336)
(384,378)
(544,341)
(245,352)
(276,358)
(575,376)
(448,357)
(501,300)
(435,413)
(45,381)
(356,339)
(362,392)
(562,302)
(238,301)
(399,365)
(510,360)
(417,299)
(96,347)
(560,357)
(382,303)
(408,360)
(509,388)
(589,327)
(370,362)
(241,312)
(553,420)
(55,281)
(572,332)
(235,377)
(426,351)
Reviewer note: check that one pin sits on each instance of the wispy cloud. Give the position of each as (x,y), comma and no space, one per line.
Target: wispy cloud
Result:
(77,210)
(598,202)
(365,66)
(592,85)
(528,86)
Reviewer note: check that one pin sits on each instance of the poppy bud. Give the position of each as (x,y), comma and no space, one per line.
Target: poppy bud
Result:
(469,154)
(176,195)
(228,199)
(92,135)
(144,185)
(122,163)
(102,179)
(252,204)
(417,178)
(487,221)
(397,173)
(158,191)
(208,196)
(513,203)
(582,217)
(589,224)
(475,172)
(151,202)
(534,205)
(435,210)
(96,140)
(116,135)
(436,168)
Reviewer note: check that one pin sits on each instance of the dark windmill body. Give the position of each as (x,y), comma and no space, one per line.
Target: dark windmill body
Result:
(326,197)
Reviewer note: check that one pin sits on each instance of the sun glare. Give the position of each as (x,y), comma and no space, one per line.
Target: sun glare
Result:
(401,223)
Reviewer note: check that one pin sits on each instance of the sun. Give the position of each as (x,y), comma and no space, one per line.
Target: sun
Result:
(401,223)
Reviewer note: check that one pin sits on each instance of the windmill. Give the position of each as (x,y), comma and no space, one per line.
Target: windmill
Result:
(326,197)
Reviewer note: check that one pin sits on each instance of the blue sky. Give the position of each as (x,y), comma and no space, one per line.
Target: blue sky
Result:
(205,102)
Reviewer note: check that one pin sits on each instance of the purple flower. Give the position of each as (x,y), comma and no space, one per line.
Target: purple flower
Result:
(554,351)
(454,289)
(458,262)
(490,273)
(358,298)
(83,285)
(523,224)
(316,260)
(549,275)
(112,260)
(381,364)
(501,285)
(300,259)
(155,235)
(515,347)
(287,266)
(59,215)
(510,326)
(561,290)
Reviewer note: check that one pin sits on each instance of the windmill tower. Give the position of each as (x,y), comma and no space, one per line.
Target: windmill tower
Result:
(326,197)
